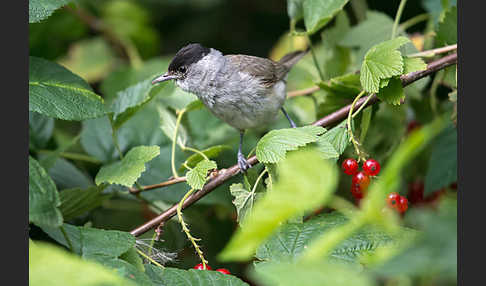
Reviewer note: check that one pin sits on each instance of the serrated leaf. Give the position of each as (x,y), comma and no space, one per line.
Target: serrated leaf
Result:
(40,130)
(326,149)
(42,9)
(393,92)
(305,181)
(211,152)
(43,197)
(76,201)
(197,177)
(51,265)
(244,200)
(56,92)
(413,65)
(191,277)
(442,169)
(447,30)
(275,144)
(317,13)
(382,61)
(128,170)
(168,124)
(347,85)
(338,136)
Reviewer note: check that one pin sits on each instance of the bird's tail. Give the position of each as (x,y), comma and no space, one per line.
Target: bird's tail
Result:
(292,58)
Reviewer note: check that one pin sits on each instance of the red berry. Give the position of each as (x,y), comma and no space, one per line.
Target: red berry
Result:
(224,271)
(350,166)
(393,200)
(412,125)
(402,204)
(371,167)
(416,192)
(357,192)
(360,180)
(200,267)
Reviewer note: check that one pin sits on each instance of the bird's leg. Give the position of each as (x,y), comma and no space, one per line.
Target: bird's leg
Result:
(290,119)
(242,163)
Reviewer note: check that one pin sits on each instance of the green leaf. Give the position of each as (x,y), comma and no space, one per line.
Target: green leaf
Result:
(50,265)
(109,243)
(168,124)
(347,85)
(90,58)
(43,197)
(295,10)
(132,257)
(128,170)
(314,273)
(124,269)
(442,169)
(305,182)
(56,92)
(413,65)
(197,177)
(211,152)
(66,175)
(42,9)
(275,144)
(76,201)
(317,13)
(40,130)
(393,92)
(336,59)
(382,61)
(244,200)
(191,277)
(447,30)
(326,148)
(338,136)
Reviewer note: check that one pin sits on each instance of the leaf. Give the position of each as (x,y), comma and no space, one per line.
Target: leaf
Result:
(347,85)
(66,175)
(442,169)
(304,273)
(244,200)
(76,201)
(91,59)
(132,257)
(42,9)
(365,122)
(40,130)
(382,61)
(128,170)
(317,13)
(447,29)
(196,178)
(43,197)
(393,92)
(336,59)
(275,144)
(338,136)
(50,265)
(305,182)
(109,243)
(124,269)
(326,149)
(295,10)
(191,277)
(413,65)
(211,152)
(168,124)
(56,92)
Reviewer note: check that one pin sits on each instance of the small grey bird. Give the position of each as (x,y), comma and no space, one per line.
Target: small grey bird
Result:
(244,91)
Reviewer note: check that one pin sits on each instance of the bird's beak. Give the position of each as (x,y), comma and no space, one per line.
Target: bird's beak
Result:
(164,77)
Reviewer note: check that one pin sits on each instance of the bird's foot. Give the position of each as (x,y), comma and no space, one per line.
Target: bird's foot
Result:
(243,163)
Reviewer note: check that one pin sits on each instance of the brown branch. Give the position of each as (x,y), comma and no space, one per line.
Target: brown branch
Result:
(159,185)
(326,121)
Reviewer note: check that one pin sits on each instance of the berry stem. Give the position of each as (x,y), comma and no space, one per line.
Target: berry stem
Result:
(356,144)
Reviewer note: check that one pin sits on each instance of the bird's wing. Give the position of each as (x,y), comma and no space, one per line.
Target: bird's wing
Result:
(268,71)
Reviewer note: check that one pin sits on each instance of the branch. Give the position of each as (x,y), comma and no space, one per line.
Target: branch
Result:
(331,119)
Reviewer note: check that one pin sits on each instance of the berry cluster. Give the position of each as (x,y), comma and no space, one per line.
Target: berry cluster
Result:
(201,267)
(361,179)
(397,202)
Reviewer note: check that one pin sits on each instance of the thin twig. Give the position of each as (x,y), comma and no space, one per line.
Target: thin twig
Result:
(397,18)
(326,121)
(159,185)
(434,52)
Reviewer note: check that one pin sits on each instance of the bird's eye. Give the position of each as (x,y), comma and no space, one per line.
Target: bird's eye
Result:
(182,69)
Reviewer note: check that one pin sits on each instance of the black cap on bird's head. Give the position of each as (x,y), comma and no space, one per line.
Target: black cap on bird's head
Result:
(186,56)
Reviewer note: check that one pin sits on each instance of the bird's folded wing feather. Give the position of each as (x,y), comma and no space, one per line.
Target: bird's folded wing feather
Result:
(268,71)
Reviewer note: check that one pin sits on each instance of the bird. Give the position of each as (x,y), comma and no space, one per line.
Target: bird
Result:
(242,90)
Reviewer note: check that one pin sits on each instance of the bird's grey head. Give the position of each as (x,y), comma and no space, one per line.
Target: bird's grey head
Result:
(184,63)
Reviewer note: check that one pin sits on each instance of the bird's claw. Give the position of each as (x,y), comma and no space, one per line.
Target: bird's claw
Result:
(243,163)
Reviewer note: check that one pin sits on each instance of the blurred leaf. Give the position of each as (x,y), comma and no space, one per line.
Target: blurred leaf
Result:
(244,201)
(96,139)
(91,59)
(442,169)
(42,9)
(275,144)
(393,92)
(66,175)
(128,170)
(178,99)
(168,124)
(365,122)
(295,9)
(77,201)
(317,13)
(413,65)
(56,92)
(447,29)
(197,177)
(450,77)
(132,257)
(381,62)
(320,273)
(43,197)
(303,175)
(336,59)
(124,269)
(211,153)
(436,8)
(72,232)
(40,130)
(50,265)
(304,108)
(191,277)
